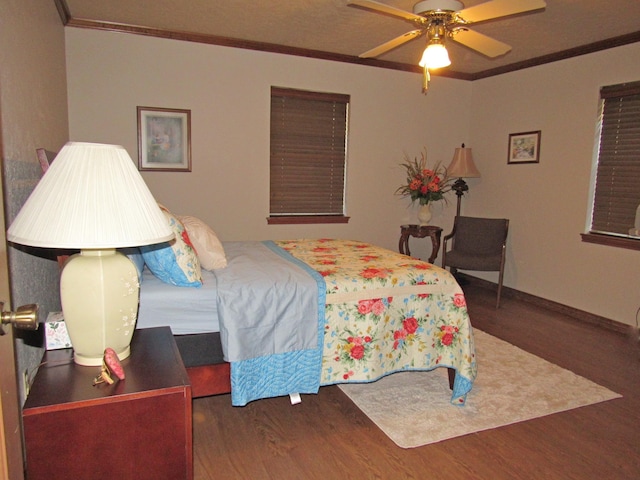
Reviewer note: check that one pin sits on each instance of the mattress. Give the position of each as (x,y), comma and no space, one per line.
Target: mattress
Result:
(186,310)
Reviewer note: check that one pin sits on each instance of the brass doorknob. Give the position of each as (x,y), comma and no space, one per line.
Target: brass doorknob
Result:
(24,318)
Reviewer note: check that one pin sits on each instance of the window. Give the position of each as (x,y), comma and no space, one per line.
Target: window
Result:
(617,183)
(308,156)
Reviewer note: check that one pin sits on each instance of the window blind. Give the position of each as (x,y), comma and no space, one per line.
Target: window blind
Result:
(308,152)
(617,187)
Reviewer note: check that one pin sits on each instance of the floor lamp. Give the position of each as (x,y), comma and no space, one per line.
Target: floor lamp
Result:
(462,166)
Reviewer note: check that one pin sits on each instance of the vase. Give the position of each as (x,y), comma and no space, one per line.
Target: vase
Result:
(424,214)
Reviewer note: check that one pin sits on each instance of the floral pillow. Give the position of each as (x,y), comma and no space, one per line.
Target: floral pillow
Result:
(175,262)
(210,251)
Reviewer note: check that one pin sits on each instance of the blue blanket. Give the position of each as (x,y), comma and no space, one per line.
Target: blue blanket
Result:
(271,322)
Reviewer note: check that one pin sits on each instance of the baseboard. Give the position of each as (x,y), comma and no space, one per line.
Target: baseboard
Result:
(581,315)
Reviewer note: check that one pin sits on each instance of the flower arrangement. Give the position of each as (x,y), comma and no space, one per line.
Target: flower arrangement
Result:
(424,184)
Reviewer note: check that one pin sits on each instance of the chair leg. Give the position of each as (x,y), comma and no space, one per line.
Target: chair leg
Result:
(499,287)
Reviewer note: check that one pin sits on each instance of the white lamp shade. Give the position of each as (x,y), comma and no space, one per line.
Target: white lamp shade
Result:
(92,196)
(462,165)
(435,56)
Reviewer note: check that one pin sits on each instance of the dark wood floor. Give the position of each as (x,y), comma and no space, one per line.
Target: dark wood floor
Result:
(327,437)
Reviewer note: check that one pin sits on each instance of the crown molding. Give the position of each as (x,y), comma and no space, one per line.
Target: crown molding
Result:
(336,57)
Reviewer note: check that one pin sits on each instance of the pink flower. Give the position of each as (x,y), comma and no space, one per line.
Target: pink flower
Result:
(326,273)
(378,307)
(365,306)
(448,334)
(449,329)
(374,273)
(399,334)
(357,352)
(447,339)
(410,325)
(459,300)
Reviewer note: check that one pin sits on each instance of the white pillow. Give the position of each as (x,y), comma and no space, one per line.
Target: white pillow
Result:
(208,247)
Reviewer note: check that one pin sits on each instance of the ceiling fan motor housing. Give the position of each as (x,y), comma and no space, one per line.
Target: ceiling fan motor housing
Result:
(437,6)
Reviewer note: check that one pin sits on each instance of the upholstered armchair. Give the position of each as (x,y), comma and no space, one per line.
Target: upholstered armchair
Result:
(477,244)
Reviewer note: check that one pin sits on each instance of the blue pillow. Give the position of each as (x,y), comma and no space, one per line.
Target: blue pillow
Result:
(174,262)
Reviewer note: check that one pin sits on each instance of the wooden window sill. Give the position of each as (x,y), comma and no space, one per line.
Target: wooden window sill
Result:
(307,219)
(611,240)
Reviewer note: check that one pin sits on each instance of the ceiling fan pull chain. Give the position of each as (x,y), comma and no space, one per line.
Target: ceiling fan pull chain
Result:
(426,78)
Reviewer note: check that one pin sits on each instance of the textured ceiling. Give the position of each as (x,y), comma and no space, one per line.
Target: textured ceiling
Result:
(330,26)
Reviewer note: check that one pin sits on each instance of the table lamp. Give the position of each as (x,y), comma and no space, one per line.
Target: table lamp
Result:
(462,166)
(93,198)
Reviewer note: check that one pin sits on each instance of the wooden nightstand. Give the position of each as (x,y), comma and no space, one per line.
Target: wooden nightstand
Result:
(137,428)
(420,231)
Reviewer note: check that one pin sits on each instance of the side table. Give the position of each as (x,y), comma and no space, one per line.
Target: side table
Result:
(420,231)
(137,428)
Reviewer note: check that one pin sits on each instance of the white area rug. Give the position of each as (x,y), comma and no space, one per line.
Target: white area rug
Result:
(413,409)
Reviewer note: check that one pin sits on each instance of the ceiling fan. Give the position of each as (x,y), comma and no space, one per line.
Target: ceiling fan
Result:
(448,19)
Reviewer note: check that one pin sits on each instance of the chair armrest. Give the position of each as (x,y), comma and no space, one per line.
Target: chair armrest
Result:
(450,235)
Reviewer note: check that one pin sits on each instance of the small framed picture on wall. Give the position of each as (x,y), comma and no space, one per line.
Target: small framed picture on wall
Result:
(164,139)
(524,147)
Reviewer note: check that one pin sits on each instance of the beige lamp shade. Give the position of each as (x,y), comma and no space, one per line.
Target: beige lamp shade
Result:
(462,165)
(93,198)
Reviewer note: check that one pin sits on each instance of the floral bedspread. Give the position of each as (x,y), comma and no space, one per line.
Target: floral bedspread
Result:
(387,312)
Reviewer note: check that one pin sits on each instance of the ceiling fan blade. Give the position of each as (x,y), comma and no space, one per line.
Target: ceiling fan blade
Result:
(381,7)
(396,42)
(477,41)
(499,8)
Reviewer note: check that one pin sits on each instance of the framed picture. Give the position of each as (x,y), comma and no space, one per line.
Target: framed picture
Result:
(164,139)
(524,147)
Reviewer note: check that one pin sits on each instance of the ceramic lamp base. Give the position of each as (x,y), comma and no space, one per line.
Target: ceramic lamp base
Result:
(99,291)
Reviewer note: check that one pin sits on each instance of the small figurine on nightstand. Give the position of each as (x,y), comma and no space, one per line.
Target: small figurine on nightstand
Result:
(110,363)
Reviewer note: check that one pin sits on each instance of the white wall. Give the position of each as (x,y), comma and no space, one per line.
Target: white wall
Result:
(228,93)
(548,203)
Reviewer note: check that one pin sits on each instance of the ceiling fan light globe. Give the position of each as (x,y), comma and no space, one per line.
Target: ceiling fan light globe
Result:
(435,56)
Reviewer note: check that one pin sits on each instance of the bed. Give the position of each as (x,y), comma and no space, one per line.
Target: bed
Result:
(286,317)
